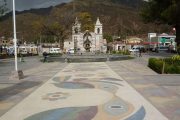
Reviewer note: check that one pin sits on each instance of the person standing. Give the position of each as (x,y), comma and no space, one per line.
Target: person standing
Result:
(140,52)
(21,56)
(45,56)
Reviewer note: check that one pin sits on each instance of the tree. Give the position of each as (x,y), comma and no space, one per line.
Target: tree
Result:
(86,20)
(163,11)
(60,33)
(37,27)
(56,30)
(108,37)
(3,8)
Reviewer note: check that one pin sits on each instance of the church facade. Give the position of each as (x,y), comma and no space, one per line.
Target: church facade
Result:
(87,41)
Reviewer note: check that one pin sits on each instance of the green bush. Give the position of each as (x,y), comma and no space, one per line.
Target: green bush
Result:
(169,61)
(171,66)
(121,52)
(113,52)
(126,52)
(54,54)
(156,64)
(172,69)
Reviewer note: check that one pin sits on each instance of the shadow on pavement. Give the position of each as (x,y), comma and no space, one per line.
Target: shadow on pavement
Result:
(16,89)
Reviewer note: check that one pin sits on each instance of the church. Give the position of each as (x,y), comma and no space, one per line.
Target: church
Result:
(87,41)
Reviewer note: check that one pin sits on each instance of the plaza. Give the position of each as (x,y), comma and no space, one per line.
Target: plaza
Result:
(119,90)
(90,75)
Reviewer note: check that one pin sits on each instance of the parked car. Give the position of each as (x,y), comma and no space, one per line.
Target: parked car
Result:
(134,50)
(163,48)
(71,51)
(54,50)
(10,50)
(23,52)
(160,48)
(137,48)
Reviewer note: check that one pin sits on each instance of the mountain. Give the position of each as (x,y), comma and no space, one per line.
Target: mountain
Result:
(131,3)
(119,17)
(22,5)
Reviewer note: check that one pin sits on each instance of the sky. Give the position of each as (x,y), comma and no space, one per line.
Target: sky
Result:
(22,5)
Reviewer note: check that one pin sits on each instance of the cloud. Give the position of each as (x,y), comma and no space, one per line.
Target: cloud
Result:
(29,4)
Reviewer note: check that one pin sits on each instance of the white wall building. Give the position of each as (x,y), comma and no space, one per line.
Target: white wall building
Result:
(87,41)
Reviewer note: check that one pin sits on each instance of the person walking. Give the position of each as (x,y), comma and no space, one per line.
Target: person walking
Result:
(140,52)
(45,56)
(21,57)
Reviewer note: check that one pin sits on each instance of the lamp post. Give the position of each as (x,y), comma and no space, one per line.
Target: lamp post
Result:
(15,38)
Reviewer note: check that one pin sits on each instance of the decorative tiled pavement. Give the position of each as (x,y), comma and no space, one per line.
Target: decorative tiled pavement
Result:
(84,91)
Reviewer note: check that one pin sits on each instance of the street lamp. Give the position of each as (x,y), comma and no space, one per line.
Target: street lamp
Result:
(15,37)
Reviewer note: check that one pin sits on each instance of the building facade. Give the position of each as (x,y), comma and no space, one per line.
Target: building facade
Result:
(86,41)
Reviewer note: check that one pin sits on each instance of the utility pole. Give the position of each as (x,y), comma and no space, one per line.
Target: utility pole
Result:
(15,37)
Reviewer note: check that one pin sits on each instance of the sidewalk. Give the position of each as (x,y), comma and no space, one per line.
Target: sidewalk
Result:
(14,91)
(85,91)
(161,90)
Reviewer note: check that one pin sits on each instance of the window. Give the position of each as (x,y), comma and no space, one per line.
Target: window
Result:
(119,48)
(76,30)
(98,30)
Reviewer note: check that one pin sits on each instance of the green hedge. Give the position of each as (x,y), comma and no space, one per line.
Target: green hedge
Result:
(172,69)
(172,66)
(54,54)
(156,64)
(121,52)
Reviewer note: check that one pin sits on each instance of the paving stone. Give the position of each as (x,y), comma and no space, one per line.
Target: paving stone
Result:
(79,93)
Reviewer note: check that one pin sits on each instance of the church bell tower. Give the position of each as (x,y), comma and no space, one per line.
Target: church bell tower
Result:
(98,28)
(76,29)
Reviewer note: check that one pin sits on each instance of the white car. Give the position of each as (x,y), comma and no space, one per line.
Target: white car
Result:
(23,52)
(71,51)
(134,50)
(54,50)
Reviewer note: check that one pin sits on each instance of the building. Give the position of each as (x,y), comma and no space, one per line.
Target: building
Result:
(163,41)
(5,44)
(134,40)
(87,41)
(124,44)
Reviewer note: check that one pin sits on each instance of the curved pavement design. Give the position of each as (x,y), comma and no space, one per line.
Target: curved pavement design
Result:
(84,91)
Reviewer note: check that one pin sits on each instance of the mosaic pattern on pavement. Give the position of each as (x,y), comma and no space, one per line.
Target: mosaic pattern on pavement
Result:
(85,91)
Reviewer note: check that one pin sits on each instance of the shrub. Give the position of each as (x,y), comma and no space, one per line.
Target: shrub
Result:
(156,64)
(121,52)
(171,66)
(3,55)
(54,54)
(126,52)
(172,69)
(176,57)
(113,52)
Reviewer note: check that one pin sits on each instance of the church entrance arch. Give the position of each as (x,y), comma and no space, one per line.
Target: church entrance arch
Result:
(87,43)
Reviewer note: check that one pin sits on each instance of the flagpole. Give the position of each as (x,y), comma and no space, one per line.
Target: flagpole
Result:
(15,37)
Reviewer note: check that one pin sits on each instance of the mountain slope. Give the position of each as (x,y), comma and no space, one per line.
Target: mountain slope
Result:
(119,17)
(131,3)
